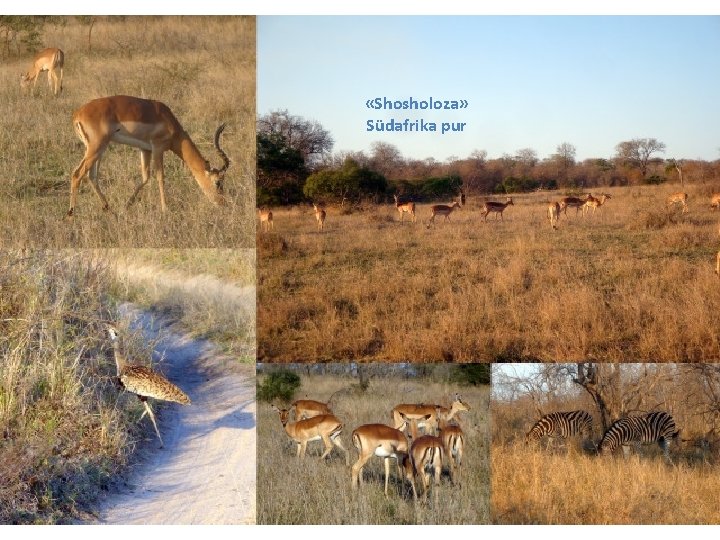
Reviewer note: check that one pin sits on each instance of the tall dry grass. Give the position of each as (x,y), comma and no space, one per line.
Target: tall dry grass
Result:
(292,491)
(566,482)
(209,292)
(531,486)
(203,68)
(66,428)
(634,282)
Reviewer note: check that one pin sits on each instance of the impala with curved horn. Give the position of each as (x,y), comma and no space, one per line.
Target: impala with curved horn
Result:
(151,127)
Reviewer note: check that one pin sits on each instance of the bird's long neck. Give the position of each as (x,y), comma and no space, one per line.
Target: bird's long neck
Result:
(119,360)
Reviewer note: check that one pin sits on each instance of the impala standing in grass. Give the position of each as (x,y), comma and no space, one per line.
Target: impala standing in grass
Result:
(149,126)
(309,408)
(48,60)
(385,442)
(554,214)
(266,219)
(678,198)
(453,440)
(715,201)
(575,202)
(496,207)
(446,414)
(426,415)
(594,202)
(319,216)
(442,210)
(428,454)
(408,207)
(325,427)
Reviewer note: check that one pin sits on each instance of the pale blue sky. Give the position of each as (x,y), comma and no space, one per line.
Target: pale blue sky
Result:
(531,81)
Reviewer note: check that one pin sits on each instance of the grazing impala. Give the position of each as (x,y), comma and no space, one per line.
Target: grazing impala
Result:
(442,210)
(150,126)
(326,427)
(496,207)
(554,214)
(309,408)
(428,454)
(385,442)
(680,198)
(46,60)
(715,201)
(319,217)
(575,202)
(594,202)
(266,219)
(408,207)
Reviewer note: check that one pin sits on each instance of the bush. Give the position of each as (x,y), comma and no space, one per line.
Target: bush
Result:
(471,374)
(655,180)
(281,385)
(517,185)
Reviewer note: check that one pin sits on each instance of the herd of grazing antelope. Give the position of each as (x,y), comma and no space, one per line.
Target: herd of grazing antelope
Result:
(441,444)
(587,204)
(655,427)
(148,125)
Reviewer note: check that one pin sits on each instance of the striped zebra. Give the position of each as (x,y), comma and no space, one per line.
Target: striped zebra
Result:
(561,425)
(653,427)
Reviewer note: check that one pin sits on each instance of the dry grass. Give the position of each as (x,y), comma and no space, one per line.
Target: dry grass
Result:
(566,482)
(66,429)
(633,282)
(530,486)
(291,491)
(203,68)
(210,292)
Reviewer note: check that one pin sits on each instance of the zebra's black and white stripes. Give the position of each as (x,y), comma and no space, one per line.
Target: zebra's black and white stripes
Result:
(653,427)
(561,424)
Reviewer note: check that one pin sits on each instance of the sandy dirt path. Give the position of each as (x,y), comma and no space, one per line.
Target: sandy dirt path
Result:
(205,474)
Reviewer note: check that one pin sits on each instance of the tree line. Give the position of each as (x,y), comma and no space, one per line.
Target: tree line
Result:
(296,164)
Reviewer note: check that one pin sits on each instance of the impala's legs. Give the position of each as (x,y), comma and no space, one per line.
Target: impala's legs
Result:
(357,469)
(92,156)
(328,446)
(157,158)
(145,157)
(337,442)
(387,474)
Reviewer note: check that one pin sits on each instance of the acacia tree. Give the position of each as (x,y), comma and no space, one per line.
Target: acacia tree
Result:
(564,156)
(385,158)
(638,152)
(306,136)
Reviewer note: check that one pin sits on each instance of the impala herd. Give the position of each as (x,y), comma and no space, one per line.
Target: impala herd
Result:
(145,124)
(441,444)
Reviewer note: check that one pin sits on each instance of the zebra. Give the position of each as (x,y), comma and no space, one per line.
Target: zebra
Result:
(561,425)
(653,427)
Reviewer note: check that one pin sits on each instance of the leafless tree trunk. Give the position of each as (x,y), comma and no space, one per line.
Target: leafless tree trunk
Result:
(587,377)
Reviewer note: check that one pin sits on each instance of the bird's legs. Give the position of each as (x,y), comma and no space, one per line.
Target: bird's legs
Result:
(148,410)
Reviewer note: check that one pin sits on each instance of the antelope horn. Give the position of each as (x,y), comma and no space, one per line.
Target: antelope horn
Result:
(223,155)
